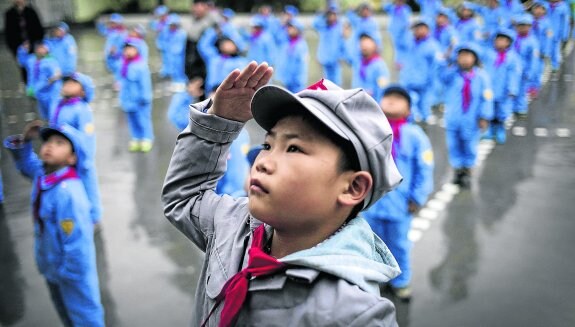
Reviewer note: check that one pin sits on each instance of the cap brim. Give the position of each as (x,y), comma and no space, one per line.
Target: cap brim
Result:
(272,103)
(46,132)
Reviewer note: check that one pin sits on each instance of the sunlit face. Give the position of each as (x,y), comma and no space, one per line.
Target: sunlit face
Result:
(538,11)
(130,52)
(394,106)
(72,88)
(522,29)
(228,47)
(292,31)
(420,31)
(331,18)
(57,151)
(295,180)
(442,20)
(466,59)
(367,46)
(502,43)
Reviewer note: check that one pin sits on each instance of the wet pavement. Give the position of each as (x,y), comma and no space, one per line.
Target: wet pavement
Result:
(496,255)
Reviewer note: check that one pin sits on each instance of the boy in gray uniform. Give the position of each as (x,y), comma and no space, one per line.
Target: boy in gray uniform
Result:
(295,244)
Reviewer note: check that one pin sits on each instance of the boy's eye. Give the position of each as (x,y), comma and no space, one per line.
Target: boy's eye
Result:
(293,148)
(266,146)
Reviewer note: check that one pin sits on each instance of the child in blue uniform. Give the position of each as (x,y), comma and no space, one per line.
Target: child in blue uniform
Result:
(179,111)
(293,65)
(467,25)
(115,39)
(390,217)
(221,56)
(64,245)
(331,46)
(398,27)
(428,8)
(494,16)
(63,48)
(175,49)
(136,98)
(559,18)
(468,110)
(504,67)
(261,45)
(527,47)
(419,68)
(544,33)
(44,76)
(447,38)
(370,72)
(158,25)
(73,109)
(362,23)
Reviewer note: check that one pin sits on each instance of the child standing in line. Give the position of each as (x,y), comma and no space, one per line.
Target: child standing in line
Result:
(527,48)
(158,25)
(468,110)
(419,68)
(63,47)
(544,33)
(398,28)
(293,65)
(331,46)
(115,38)
(137,35)
(560,23)
(136,98)
(467,26)
(504,67)
(175,49)
(370,73)
(73,109)
(179,111)
(390,218)
(64,233)
(295,250)
(261,45)
(44,76)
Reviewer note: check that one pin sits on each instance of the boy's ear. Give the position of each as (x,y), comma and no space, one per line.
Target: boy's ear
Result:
(359,183)
(72,159)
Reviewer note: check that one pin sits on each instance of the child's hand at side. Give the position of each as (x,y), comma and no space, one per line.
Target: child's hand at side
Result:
(232,98)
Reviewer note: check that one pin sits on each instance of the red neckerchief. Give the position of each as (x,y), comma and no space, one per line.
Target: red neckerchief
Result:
(256,34)
(501,55)
(62,103)
(293,40)
(396,125)
(466,91)
(46,182)
(462,21)
(126,62)
(366,62)
(234,292)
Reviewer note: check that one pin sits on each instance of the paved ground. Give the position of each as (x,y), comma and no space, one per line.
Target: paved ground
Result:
(497,255)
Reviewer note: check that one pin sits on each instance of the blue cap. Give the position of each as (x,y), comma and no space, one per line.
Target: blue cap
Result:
(471,47)
(64,27)
(174,19)
(75,137)
(466,5)
(87,85)
(507,33)
(161,10)
(228,13)
(297,24)
(116,18)
(140,29)
(523,19)
(257,21)
(398,89)
(253,153)
(539,3)
(42,42)
(332,7)
(292,10)
(445,12)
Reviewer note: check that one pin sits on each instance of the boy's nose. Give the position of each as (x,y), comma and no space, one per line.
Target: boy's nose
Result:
(265,164)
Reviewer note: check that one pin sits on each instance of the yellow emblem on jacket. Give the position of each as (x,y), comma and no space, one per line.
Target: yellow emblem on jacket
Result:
(67,226)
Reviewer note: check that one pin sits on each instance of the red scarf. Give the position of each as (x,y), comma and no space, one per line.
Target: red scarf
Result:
(45,182)
(62,103)
(292,41)
(501,55)
(466,91)
(126,62)
(396,125)
(366,62)
(234,292)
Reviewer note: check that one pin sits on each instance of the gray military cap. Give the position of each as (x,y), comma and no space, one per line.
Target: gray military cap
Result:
(352,114)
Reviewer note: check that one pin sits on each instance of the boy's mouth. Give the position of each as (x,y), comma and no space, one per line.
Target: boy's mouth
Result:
(256,186)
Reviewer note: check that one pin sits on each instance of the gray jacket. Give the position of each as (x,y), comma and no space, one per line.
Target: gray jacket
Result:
(335,283)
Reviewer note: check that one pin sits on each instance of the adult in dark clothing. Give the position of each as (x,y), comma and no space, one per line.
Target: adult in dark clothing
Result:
(21,24)
(202,17)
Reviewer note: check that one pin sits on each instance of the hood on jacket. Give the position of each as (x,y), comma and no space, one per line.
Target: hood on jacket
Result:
(354,254)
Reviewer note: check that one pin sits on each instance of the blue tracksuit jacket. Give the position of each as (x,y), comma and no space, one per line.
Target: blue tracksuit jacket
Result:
(559,17)
(506,76)
(174,52)
(331,47)
(238,167)
(179,111)
(398,28)
(65,51)
(528,49)
(262,47)
(370,74)
(469,30)
(293,65)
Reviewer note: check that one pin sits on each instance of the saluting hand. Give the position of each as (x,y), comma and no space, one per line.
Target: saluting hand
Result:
(233,97)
